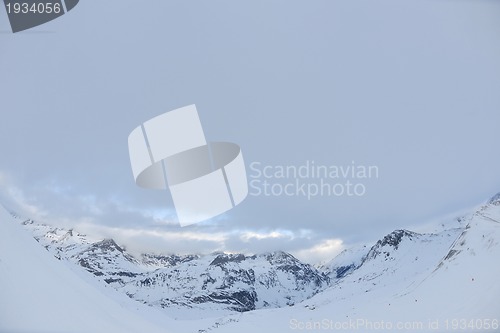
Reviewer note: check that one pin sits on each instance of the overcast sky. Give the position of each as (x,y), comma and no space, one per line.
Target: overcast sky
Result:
(411,87)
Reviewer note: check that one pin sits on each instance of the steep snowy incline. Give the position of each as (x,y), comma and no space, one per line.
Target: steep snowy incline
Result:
(407,282)
(344,263)
(38,293)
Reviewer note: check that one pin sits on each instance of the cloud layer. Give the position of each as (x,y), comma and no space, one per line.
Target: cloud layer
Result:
(410,87)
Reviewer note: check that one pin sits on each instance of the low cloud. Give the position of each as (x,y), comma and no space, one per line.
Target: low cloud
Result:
(326,250)
(155,229)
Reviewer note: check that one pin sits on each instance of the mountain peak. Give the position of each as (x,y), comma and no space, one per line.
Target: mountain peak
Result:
(107,244)
(495,200)
(279,257)
(393,240)
(225,258)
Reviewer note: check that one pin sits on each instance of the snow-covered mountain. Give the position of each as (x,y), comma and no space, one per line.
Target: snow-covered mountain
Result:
(435,282)
(230,281)
(441,282)
(216,282)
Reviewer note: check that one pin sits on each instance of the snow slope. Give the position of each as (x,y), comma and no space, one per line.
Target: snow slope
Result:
(38,293)
(406,282)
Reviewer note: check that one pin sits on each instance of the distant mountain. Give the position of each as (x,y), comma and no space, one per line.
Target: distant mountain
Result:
(215,282)
(404,275)
(230,281)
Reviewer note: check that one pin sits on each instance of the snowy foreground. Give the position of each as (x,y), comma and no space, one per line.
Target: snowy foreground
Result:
(38,293)
(444,281)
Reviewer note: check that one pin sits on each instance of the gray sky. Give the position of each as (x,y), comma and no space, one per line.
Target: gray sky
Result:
(411,87)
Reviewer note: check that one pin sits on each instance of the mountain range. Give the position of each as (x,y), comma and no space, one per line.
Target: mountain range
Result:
(437,280)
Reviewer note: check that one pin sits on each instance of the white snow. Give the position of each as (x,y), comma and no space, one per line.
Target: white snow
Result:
(38,293)
(458,287)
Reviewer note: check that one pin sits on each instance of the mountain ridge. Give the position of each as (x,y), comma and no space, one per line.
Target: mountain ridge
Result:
(224,283)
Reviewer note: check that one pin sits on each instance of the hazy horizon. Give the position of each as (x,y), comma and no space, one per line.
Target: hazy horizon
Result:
(409,88)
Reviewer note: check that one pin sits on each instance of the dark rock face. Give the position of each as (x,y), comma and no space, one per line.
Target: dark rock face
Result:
(394,238)
(166,260)
(495,200)
(342,271)
(222,259)
(389,243)
(304,274)
(105,246)
(240,301)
